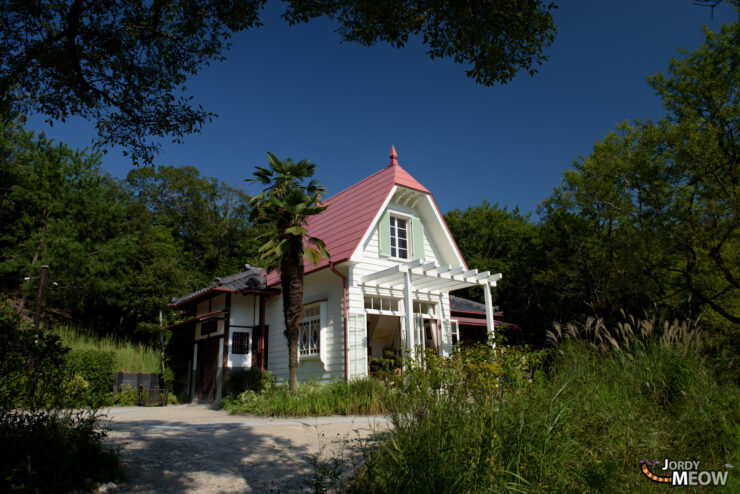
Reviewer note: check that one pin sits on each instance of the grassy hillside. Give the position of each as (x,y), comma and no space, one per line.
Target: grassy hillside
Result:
(129,357)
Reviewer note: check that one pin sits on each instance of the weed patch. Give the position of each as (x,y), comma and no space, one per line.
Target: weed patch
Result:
(359,397)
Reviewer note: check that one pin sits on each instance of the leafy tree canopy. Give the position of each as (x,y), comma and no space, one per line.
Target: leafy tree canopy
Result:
(117,251)
(649,221)
(123,64)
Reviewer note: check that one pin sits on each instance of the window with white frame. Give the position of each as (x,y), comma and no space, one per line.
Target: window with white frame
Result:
(309,338)
(454,332)
(399,238)
(424,308)
(381,303)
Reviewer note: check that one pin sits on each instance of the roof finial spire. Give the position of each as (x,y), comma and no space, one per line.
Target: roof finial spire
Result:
(393,156)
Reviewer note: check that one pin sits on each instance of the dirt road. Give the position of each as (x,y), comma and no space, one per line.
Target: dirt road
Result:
(197,449)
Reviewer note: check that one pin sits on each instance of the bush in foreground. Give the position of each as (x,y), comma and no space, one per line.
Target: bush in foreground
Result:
(51,451)
(97,370)
(42,447)
(497,422)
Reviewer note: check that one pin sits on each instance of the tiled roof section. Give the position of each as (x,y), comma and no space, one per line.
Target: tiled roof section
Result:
(464,305)
(350,213)
(251,278)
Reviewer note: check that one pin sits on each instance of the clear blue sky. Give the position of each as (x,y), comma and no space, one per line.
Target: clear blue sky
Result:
(298,92)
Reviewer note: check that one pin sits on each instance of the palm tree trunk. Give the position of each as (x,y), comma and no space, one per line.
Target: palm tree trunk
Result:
(291,277)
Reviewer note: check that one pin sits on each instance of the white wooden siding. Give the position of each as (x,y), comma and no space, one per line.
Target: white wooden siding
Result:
(244,310)
(371,248)
(321,285)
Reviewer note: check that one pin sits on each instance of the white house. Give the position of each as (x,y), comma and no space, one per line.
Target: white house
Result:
(386,287)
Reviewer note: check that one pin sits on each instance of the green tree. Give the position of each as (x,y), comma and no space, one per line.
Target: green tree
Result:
(209,218)
(284,206)
(499,240)
(647,222)
(110,268)
(124,64)
(650,219)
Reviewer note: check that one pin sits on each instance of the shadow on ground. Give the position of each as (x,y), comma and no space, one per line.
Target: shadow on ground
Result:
(258,456)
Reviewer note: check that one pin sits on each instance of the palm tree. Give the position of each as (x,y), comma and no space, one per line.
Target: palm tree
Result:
(283,207)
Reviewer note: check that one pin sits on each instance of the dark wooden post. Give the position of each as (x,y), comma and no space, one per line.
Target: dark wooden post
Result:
(40,299)
(263,336)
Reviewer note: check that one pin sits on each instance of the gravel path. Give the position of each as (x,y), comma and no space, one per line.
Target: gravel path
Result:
(198,449)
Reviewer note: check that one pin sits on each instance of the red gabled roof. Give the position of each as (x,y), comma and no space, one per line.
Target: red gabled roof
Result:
(350,214)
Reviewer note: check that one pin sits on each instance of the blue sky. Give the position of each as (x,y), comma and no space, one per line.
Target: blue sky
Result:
(298,92)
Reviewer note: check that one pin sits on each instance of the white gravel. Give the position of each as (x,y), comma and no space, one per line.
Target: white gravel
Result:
(198,449)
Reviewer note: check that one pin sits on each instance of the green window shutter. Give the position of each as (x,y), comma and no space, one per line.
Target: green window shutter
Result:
(384,235)
(417,233)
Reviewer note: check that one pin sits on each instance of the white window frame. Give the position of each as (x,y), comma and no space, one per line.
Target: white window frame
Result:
(314,349)
(243,360)
(382,305)
(454,332)
(407,220)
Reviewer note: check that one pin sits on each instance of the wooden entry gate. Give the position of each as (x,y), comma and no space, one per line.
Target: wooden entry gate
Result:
(206,370)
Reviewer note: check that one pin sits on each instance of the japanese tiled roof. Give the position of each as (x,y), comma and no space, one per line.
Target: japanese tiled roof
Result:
(252,278)
(459,304)
(350,214)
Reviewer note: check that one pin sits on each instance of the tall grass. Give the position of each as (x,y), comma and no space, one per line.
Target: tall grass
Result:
(359,397)
(501,422)
(130,357)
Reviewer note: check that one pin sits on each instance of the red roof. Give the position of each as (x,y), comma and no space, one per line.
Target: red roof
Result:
(350,214)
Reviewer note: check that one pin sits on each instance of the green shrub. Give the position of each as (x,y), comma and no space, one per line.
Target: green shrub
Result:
(97,369)
(31,364)
(253,379)
(43,448)
(496,421)
(49,451)
(126,397)
(130,397)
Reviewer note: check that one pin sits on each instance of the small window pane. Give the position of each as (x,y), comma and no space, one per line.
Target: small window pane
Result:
(399,238)
(240,344)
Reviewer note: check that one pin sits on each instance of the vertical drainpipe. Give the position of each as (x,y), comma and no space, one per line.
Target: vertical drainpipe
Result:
(262,332)
(344,318)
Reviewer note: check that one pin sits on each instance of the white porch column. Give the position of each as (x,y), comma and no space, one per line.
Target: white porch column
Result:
(409,306)
(489,311)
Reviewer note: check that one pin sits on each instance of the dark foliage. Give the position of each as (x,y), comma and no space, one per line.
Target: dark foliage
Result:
(117,251)
(252,379)
(49,451)
(98,370)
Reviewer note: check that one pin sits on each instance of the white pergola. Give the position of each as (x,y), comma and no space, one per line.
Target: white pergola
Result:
(417,275)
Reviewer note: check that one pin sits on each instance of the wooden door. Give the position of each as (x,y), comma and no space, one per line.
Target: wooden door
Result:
(206,369)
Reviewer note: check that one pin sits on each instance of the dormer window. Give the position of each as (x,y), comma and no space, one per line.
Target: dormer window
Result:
(399,238)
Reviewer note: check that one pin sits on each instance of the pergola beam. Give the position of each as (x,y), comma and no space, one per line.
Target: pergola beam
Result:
(430,276)
(381,276)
